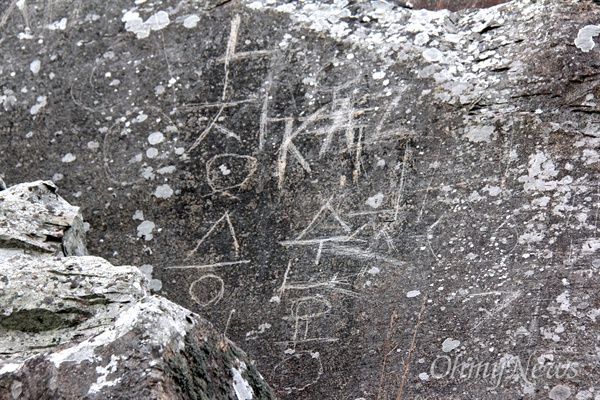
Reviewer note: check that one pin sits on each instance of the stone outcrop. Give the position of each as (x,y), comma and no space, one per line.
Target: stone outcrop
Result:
(35,218)
(73,326)
(378,202)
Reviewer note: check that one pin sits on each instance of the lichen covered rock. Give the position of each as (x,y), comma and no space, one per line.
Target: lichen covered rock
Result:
(78,327)
(34,217)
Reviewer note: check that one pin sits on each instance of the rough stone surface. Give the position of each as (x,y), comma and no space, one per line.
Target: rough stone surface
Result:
(452,5)
(42,301)
(153,349)
(349,187)
(33,216)
(80,328)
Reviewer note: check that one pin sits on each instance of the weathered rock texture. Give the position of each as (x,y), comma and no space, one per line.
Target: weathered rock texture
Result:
(35,217)
(80,328)
(378,202)
(452,5)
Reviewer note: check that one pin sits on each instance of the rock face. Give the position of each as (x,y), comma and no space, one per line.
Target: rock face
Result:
(80,328)
(35,217)
(452,5)
(378,202)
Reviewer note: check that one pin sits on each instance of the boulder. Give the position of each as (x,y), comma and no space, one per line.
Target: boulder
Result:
(77,327)
(376,201)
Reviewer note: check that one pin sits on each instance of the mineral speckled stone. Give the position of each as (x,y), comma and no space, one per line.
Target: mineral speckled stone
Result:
(78,327)
(153,349)
(292,170)
(34,217)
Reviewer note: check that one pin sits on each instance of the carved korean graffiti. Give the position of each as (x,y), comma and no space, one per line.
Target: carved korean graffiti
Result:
(370,188)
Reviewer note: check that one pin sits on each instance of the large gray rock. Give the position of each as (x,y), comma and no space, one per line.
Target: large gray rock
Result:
(78,327)
(360,193)
(50,302)
(152,349)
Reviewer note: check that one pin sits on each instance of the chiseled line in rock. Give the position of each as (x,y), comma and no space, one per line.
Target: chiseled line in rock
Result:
(400,196)
(287,144)
(7,13)
(208,266)
(236,245)
(264,114)
(309,242)
(220,104)
(233,34)
(211,230)
(361,213)
(361,254)
(227,132)
(325,339)
(317,215)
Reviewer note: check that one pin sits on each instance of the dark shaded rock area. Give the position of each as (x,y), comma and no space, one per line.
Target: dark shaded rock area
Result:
(375,202)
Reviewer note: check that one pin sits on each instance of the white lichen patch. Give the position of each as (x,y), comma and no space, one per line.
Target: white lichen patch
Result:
(191,21)
(145,230)
(135,24)
(531,237)
(590,246)
(421,39)
(262,328)
(375,201)
(156,138)
(560,392)
(224,169)
(433,55)
(152,152)
(102,380)
(153,284)
(68,158)
(60,25)
(41,103)
(540,175)
(148,173)
(163,191)
(478,134)
(35,66)
(492,190)
(450,344)
(275,299)
(475,197)
(590,156)
(564,299)
(242,388)
(373,271)
(167,170)
(378,75)
(158,21)
(584,40)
